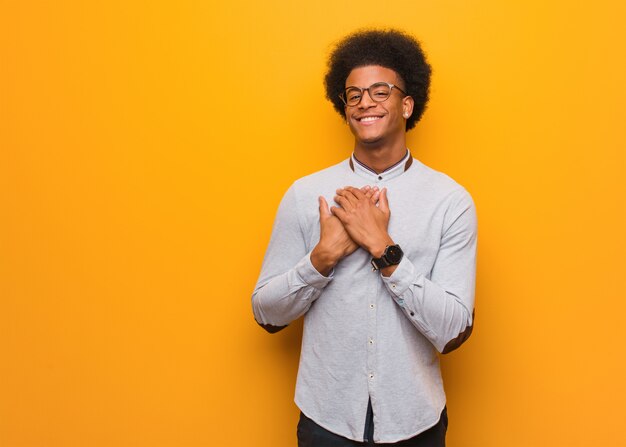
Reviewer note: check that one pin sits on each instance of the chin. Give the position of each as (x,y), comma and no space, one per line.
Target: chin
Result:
(370,140)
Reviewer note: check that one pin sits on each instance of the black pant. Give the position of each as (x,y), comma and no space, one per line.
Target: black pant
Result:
(312,435)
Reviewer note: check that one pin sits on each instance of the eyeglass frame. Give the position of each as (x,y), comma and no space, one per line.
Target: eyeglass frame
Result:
(362,90)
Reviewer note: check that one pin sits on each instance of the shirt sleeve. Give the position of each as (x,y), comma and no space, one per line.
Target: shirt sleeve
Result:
(288,283)
(442,307)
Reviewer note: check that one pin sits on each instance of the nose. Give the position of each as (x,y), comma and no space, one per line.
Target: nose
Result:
(366,100)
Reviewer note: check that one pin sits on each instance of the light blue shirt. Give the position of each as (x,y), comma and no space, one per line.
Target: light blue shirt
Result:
(368,336)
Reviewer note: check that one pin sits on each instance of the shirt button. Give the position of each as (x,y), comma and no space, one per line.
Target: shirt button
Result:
(371,341)
(393,286)
(371,376)
(371,306)
(412,313)
(380,177)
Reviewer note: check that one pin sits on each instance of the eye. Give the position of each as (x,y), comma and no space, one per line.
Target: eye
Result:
(379,91)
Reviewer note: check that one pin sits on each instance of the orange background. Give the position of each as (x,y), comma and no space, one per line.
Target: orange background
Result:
(144,147)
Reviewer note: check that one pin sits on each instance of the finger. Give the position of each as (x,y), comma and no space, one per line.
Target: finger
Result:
(383,203)
(324,211)
(338,212)
(356,191)
(366,188)
(347,195)
(369,193)
(343,202)
(375,197)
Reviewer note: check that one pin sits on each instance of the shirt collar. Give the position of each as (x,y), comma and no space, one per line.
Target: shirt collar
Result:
(391,172)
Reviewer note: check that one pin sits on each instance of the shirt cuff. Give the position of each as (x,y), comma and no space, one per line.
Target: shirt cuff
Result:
(401,279)
(309,275)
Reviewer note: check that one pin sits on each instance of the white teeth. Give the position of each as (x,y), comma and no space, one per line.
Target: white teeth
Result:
(370,118)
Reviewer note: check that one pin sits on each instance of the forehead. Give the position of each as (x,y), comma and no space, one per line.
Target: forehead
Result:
(370,74)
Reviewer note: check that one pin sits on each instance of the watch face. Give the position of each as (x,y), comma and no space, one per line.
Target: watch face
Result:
(394,254)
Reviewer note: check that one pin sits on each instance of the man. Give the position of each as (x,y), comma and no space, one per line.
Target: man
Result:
(385,276)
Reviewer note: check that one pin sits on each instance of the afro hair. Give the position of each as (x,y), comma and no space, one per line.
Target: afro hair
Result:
(392,49)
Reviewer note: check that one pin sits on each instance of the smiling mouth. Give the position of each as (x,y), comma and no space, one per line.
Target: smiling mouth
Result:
(368,119)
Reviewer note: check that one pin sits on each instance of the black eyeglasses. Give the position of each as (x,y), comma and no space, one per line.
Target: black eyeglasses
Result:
(379,92)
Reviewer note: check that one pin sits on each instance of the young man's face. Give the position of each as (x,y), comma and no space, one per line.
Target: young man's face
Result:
(374,123)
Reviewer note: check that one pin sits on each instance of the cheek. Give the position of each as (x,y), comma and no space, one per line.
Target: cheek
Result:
(350,125)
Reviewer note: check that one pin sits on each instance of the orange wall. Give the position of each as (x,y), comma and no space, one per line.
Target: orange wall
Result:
(144,147)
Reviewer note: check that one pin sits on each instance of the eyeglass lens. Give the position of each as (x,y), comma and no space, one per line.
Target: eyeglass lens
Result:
(378,92)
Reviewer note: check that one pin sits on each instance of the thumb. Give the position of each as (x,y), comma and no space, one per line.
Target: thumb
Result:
(324,211)
(383,204)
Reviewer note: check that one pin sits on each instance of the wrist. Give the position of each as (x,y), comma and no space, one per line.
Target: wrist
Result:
(324,259)
(389,260)
(378,246)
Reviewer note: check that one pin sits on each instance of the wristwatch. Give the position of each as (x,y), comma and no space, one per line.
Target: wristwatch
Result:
(391,256)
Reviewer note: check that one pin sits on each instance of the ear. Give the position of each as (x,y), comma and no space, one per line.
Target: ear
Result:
(407,106)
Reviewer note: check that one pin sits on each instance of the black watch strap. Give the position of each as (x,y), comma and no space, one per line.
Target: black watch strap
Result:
(391,256)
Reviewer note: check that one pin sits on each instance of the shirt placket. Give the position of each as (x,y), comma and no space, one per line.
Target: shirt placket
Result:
(372,327)
(376,286)
(372,342)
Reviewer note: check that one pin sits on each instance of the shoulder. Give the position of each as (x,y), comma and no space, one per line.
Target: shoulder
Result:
(313,184)
(439,186)
(315,179)
(303,193)
(437,179)
(456,202)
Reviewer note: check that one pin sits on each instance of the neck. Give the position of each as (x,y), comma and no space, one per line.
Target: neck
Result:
(380,157)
